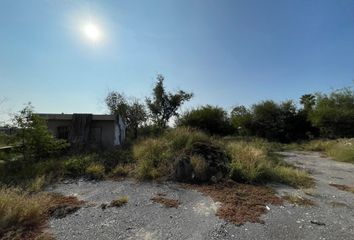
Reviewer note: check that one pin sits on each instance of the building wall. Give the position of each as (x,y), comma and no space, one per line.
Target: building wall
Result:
(107,132)
(54,124)
(102,131)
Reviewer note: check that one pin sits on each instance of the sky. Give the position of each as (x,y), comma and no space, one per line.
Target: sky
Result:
(227,52)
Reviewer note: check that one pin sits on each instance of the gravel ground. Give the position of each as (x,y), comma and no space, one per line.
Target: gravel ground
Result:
(195,218)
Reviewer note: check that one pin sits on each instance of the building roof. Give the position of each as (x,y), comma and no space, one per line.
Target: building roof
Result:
(62,116)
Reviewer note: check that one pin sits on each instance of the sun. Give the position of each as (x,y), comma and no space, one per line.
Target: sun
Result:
(92,32)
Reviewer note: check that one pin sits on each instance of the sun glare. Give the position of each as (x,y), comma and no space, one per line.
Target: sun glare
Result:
(92,32)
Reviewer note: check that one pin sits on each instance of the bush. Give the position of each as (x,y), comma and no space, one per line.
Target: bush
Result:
(155,156)
(111,158)
(76,165)
(37,141)
(334,113)
(213,120)
(121,171)
(95,171)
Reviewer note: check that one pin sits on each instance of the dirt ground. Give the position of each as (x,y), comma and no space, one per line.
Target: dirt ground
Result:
(330,217)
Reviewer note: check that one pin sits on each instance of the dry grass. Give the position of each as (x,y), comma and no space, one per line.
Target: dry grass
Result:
(95,171)
(240,202)
(252,162)
(311,192)
(121,171)
(119,201)
(343,187)
(167,202)
(298,200)
(24,215)
(340,149)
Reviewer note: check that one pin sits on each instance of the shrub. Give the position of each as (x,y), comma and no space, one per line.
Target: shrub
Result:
(155,156)
(76,165)
(334,113)
(213,120)
(33,133)
(113,157)
(121,171)
(95,171)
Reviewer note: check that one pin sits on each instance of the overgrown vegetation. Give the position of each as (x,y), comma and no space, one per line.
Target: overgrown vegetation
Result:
(208,144)
(213,120)
(340,149)
(23,215)
(250,161)
(253,162)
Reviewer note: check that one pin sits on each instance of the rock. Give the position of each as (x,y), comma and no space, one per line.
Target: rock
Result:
(104,206)
(64,210)
(318,223)
(183,169)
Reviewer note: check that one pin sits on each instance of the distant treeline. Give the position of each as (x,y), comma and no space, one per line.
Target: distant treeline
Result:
(321,115)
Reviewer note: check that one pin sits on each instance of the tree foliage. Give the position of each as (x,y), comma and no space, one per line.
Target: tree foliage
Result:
(213,120)
(133,112)
(273,121)
(37,142)
(308,101)
(164,105)
(334,113)
(241,119)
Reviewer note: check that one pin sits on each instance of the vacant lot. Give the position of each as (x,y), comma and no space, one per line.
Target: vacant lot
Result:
(331,216)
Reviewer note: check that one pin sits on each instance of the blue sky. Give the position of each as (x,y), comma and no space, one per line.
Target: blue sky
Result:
(227,52)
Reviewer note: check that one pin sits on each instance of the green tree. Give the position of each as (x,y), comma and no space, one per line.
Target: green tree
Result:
(333,113)
(133,112)
(308,101)
(241,120)
(213,120)
(136,116)
(117,103)
(163,105)
(37,142)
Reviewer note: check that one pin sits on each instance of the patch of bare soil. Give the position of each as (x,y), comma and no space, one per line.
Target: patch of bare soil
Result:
(60,205)
(343,187)
(298,200)
(167,202)
(240,202)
